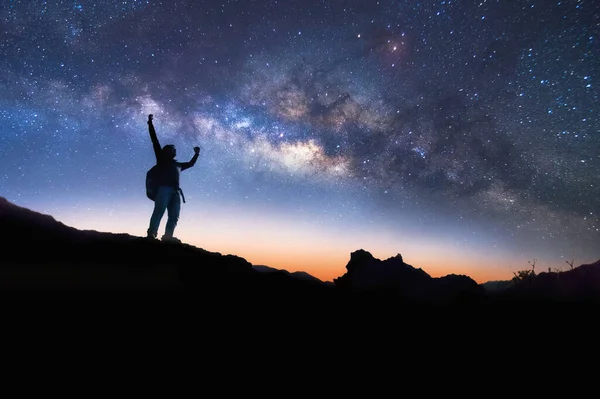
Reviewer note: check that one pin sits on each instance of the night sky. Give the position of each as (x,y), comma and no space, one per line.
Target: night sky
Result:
(464,135)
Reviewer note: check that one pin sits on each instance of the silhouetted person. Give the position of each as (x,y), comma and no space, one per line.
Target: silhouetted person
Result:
(169,194)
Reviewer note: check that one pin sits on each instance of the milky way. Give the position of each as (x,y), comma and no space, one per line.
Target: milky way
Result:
(477,119)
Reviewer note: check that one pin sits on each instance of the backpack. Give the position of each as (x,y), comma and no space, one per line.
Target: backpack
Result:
(152,182)
(152,179)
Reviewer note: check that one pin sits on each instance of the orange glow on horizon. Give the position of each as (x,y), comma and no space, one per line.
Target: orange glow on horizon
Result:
(284,242)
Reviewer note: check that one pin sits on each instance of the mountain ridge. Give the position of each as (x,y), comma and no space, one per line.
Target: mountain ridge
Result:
(63,257)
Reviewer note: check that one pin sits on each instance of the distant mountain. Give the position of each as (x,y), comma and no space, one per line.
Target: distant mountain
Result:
(497,285)
(297,274)
(39,252)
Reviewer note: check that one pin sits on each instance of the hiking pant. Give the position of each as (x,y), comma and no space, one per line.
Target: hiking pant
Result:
(167,198)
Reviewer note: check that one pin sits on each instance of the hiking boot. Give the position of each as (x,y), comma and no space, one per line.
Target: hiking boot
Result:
(171,239)
(150,235)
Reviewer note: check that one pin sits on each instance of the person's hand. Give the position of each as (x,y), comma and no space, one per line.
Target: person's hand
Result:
(197,150)
(150,118)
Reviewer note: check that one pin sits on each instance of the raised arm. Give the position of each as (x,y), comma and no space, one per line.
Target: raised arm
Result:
(192,162)
(155,143)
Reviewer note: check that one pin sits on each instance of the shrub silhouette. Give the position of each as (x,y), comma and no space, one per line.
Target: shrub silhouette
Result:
(525,276)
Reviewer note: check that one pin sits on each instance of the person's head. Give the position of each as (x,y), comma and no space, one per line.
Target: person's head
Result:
(169,151)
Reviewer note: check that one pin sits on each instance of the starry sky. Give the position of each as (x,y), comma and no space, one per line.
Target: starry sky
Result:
(461,134)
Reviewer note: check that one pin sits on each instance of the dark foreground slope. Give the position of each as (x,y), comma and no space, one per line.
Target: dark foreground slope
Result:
(42,253)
